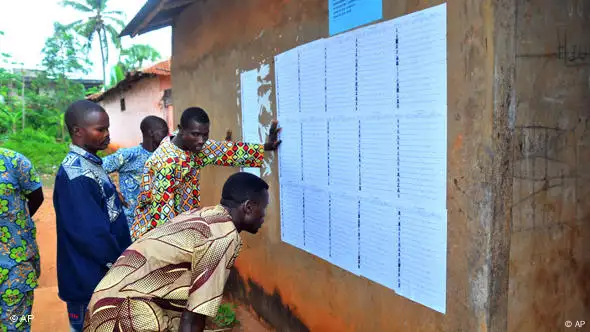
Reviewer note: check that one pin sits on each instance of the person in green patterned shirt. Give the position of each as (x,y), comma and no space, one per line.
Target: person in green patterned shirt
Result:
(20,197)
(170,181)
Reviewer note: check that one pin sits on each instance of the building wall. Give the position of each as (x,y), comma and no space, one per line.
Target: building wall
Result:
(293,290)
(165,83)
(550,246)
(141,100)
(494,97)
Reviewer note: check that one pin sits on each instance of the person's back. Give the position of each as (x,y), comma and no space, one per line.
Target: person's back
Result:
(20,197)
(129,162)
(174,276)
(163,194)
(156,271)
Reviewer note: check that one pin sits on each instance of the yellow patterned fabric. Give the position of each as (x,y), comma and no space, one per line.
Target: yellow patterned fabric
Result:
(183,264)
(170,182)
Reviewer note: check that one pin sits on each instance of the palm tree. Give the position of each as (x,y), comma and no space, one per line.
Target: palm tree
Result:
(131,59)
(134,56)
(100,22)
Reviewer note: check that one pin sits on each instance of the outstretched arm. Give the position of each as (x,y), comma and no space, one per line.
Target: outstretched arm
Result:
(240,154)
(113,162)
(273,141)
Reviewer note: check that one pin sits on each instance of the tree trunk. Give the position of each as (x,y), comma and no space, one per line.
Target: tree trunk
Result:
(104,70)
(63,125)
(22,75)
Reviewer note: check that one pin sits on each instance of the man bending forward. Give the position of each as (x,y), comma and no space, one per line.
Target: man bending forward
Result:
(171,278)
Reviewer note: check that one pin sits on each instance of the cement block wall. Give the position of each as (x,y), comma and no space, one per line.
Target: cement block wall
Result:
(489,88)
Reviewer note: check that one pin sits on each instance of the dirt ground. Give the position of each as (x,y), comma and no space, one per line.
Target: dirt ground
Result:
(49,312)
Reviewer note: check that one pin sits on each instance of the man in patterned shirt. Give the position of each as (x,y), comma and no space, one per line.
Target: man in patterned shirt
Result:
(92,230)
(20,197)
(129,162)
(173,277)
(170,182)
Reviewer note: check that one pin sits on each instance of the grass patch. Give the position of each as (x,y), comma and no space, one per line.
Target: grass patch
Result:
(225,318)
(42,150)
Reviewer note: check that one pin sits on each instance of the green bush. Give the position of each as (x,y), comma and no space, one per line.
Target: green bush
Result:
(226,315)
(42,150)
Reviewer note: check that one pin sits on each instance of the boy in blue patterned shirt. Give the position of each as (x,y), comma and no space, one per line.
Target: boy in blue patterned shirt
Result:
(128,162)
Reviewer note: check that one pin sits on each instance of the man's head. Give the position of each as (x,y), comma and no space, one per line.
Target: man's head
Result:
(246,195)
(154,129)
(193,129)
(88,125)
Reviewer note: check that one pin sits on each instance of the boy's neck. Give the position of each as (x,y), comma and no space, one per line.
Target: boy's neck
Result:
(147,145)
(81,146)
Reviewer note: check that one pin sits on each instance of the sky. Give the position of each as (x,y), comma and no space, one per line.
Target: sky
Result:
(28,23)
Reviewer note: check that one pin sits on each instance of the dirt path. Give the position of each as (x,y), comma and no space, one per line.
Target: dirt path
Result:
(49,311)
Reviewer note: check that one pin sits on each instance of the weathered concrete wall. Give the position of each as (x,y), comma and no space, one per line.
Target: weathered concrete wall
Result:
(141,100)
(214,40)
(550,246)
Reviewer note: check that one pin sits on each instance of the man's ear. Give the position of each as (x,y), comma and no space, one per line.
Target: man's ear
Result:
(248,206)
(77,131)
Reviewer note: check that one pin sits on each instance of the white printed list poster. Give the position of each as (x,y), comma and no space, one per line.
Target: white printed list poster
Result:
(363,163)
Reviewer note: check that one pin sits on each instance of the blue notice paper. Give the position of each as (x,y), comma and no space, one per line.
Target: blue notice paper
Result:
(348,14)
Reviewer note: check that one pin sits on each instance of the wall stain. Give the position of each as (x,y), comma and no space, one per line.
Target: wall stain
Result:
(551,158)
(572,53)
(270,307)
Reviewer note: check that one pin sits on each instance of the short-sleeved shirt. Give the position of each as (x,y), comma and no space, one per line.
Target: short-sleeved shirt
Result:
(170,182)
(183,264)
(128,162)
(18,245)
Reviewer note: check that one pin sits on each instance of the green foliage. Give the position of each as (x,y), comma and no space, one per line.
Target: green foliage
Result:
(133,58)
(117,74)
(93,90)
(130,59)
(10,103)
(64,53)
(44,152)
(41,134)
(226,315)
(99,22)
